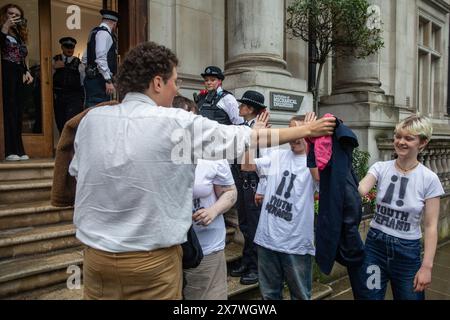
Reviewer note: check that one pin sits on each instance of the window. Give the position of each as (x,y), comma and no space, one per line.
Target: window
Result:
(429,76)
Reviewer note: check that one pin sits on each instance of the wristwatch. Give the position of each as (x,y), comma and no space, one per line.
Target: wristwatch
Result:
(109,81)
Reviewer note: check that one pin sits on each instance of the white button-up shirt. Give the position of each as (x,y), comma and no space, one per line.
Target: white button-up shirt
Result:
(103,42)
(134,174)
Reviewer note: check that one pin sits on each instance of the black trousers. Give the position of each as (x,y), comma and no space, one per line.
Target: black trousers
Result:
(12,85)
(95,90)
(248,214)
(67,104)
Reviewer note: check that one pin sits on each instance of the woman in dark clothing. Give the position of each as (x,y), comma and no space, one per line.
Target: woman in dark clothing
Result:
(15,73)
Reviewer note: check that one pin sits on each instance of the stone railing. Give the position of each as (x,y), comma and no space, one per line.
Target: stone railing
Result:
(436,157)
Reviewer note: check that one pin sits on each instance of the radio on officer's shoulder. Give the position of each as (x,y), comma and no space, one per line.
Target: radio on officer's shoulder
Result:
(92,71)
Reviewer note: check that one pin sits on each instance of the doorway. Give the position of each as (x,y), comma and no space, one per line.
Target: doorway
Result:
(48,21)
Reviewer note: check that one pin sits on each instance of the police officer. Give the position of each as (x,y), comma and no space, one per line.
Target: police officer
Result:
(67,89)
(100,60)
(215,103)
(252,104)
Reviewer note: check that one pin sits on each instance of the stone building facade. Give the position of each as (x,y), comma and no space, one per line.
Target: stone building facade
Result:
(247,38)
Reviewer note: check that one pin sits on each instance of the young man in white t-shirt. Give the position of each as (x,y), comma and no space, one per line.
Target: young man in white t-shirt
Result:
(285,233)
(407,192)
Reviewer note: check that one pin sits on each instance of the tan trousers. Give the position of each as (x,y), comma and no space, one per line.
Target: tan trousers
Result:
(209,280)
(153,275)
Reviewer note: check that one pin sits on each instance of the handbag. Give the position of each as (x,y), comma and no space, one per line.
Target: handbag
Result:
(192,251)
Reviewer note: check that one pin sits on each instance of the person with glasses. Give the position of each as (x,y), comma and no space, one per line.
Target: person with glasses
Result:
(68,92)
(214,102)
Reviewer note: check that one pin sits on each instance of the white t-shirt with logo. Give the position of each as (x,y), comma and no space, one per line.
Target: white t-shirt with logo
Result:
(401,198)
(286,223)
(207,174)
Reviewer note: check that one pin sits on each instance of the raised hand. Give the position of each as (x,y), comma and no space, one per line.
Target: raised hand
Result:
(322,127)
(310,117)
(262,121)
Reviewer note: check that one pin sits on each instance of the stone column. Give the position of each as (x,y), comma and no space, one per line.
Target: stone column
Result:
(255,58)
(357,97)
(356,75)
(256,36)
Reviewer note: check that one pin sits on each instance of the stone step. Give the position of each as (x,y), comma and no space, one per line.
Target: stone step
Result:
(36,240)
(32,214)
(23,191)
(26,170)
(21,275)
(30,273)
(235,292)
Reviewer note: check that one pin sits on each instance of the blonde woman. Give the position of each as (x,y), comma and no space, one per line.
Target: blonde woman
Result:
(407,193)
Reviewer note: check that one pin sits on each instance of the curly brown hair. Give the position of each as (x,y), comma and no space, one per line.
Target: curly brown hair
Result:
(22,29)
(142,64)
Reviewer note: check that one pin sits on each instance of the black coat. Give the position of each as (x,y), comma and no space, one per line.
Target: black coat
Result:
(337,234)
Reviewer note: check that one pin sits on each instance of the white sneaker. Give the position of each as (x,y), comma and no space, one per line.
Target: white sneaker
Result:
(24,157)
(12,157)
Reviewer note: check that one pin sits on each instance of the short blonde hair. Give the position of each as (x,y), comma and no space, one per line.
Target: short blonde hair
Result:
(418,126)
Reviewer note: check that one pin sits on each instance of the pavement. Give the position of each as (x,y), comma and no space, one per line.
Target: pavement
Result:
(440,283)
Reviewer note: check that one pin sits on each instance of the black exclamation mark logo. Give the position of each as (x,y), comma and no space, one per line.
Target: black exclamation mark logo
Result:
(401,196)
(390,191)
(287,195)
(282,184)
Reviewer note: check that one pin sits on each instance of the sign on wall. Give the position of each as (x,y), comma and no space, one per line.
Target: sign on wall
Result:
(285,102)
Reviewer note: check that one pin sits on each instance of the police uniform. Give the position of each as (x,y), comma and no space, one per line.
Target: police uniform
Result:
(67,89)
(218,105)
(100,60)
(248,211)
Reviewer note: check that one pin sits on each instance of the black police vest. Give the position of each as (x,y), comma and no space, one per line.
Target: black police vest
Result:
(67,78)
(112,53)
(207,106)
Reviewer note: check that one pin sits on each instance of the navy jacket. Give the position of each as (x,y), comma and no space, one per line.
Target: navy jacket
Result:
(337,234)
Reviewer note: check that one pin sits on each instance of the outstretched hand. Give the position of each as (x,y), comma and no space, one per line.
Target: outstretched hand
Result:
(321,127)
(262,121)
(310,117)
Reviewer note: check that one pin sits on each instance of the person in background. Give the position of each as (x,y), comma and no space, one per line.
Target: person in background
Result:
(68,92)
(15,73)
(100,60)
(251,105)
(184,103)
(214,102)
(407,194)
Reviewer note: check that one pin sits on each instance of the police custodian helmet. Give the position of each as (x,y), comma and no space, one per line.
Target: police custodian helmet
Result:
(213,71)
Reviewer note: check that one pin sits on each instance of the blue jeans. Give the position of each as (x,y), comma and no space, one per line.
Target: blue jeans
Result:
(276,267)
(391,259)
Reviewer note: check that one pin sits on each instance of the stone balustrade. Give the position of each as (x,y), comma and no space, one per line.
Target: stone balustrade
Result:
(436,157)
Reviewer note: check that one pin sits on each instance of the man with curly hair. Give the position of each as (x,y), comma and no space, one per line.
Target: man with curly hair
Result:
(133,204)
